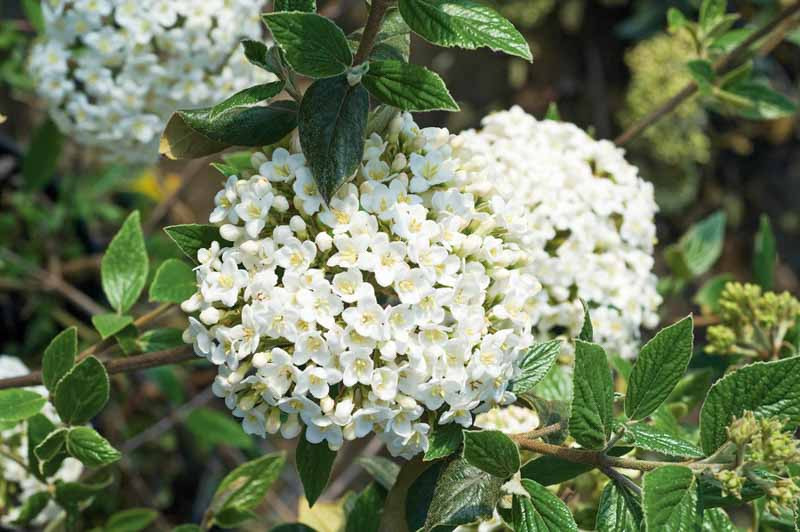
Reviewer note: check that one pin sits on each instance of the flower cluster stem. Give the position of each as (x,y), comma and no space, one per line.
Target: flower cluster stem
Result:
(720,66)
(371,29)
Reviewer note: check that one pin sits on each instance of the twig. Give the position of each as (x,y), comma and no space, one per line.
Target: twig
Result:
(120,365)
(544,431)
(620,478)
(139,322)
(371,29)
(719,66)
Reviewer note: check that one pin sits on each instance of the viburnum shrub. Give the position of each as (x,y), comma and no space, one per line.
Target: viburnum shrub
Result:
(473,301)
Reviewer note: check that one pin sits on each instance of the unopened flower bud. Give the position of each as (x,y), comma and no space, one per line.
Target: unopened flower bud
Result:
(327,404)
(399,163)
(297,224)
(210,315)
(231,232)
(280,204)
(260,360)
(324,241)
(273,422)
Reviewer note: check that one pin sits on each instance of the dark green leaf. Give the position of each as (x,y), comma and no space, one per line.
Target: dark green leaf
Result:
(85,444)
(619,510)
(52,445)
(699,248)
(408,87)
(314,464)
(587,331)
(257,53)
(465,24)
(332,122)
(591,416)
(192,237)
(670,499)
(123,270)
(716,520)
(31,507)
(662,362)
(41,159)
(383,470)
(215,428)
(543,512)
(711,11)
(765,388)
(463,494)
(110,324)
(366,513)
(159,340)
(393,40)
(82,393)
(760,102)
(712,497)
(702,72)
(17,404)
(59,357)
(492,451)
(309,6)
(174,282)
(39,427)
(418,480)
(70,494)
(246,98)
(243,488)
(652,439)
(195,133)
(535,364)
(131,520)
(444,440)
(291,527)
(314,45)
(765,254)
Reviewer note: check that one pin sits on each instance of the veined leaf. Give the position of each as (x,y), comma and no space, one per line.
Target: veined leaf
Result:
(591,418)
(192,237)
(314,464)
(174,282)
(17,404)
(535,364)
(670,499)
(652,439)
(408,87)
(85,444)
(123,270)
(542,512)
(444,440)
(82,392)
(110,324)
(492,451)
(59,357)
(619,510)
(314,45)
(463,494)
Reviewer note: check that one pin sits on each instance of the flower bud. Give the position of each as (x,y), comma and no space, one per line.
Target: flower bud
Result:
(399,163)
(324,241)
(231,232)
(257,159)
(349,431)
(291,427)
(250,247)
(273,421)
(260,360)
(210,315)
(327,404)
(192,304)
(280,204)
(297,224)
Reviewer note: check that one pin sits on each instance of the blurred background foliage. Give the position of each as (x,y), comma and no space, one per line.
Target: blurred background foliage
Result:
(604,62)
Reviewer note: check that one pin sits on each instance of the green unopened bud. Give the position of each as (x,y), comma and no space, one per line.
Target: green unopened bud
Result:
(731,482)
(742,430)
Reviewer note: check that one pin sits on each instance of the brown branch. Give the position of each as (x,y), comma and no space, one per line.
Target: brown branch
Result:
(721,65)
(119,365)
(371,29)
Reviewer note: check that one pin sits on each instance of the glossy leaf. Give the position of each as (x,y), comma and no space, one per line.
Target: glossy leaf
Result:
(652,439)
(491,451)
(463,494)
(619,510)
(314,45)
(591,416)
(244,488)
(670,499)
(314,464)
(444,440)
(542,512)
(59,357)
(85,444)
(408,87)
(535,364)
(192,237)
(83,392)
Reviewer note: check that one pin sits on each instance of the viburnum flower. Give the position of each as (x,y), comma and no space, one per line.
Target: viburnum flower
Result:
(587,224)
(510,420)
(18,484)
(112,71)
(403,304)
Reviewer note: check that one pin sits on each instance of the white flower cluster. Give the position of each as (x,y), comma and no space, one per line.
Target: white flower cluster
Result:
(17,482)
(404,303)
(510,420)
(112,71)
(588,224)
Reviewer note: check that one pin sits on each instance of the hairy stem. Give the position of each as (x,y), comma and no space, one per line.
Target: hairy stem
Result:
(721,65)
(373,26)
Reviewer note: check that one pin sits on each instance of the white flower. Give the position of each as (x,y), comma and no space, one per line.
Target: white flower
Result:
(113,71)
(376,313)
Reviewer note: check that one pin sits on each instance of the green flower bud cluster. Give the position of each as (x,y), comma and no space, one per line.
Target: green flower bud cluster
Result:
(763,445)
(658,70)
(753,323)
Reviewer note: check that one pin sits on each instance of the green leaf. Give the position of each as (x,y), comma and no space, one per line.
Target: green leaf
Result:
(675,19)
(123,270)
(110,324)
(662,362)
(444,440)
(41,159)
(535,364)
(195,133)
(332,122)
(174,282)
(243,489)
(39,427)
(314,464)
(408,87)
(542,512)
(652,439)
(85,444)
(131,520)
(699,248)
(758,101)
(765,388)
(465,24)
(619,510)
(159,340)
(291,527)
(393,40)
(257,53)
(702,72)
(70,494)
(33,12)
(587,331)
(553,113)
(492,451)
(707,297)
(246,98)
(463,494)
(309,6)
(366,511)
(31,507)
(711,11)
(192,237)
(215,428)
(549,470)
(670,499)
(716,520)
(17,404)
(415,486)
(765,254)
(52,445)
(82,393)
(314,45)
(591,416)
(383,470)
(59,357)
